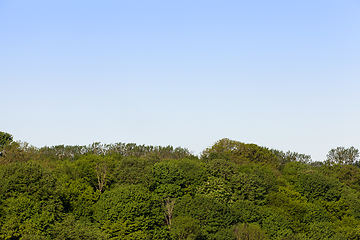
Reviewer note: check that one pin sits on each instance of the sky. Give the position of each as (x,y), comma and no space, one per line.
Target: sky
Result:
(281,74)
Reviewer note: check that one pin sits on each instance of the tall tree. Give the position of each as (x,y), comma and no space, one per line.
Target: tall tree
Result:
(341,155)
(5,138)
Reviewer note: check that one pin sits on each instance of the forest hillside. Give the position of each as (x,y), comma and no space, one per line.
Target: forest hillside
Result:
(232,190)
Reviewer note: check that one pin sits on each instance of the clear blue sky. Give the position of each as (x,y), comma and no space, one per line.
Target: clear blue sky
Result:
(282,74)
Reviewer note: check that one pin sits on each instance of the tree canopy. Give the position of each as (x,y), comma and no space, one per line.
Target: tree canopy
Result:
(233,190)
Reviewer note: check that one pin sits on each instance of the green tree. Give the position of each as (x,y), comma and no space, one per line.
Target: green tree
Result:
(252,182)
(71,229)
(17,152)
(320,231)
(341,155)
(314,185)
(185,228)
(129,211)
(29,200)
(79,198)
(249,232)
(347,226)
(245,211)
(276,225)
(131,170)
(193,174)
(5,139)
(168,179)
(240,152)
(215,188)
(221,168)
(292,205)
(293,170)
(289,156)
(345,173)
(211,214)
(93,169)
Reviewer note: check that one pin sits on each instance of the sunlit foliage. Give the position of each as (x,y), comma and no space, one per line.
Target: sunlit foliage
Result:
(233,190)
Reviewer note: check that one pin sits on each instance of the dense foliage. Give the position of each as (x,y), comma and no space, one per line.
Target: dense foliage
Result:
(231,191)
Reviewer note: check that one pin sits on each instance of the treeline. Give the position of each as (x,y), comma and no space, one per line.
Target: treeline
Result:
(233,190)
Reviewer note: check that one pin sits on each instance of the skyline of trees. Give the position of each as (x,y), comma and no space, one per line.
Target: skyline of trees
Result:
(232,190)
